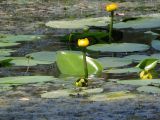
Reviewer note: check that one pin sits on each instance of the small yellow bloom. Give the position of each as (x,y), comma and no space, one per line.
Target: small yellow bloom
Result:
(83,42)
(111,7)
(82,82)
(145,75)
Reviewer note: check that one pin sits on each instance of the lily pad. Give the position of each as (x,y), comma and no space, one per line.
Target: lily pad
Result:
(140,23)
(19,38)
(156,44)
(156,56)
(137,58)
(6,52)
(56,94)
(149,89)
(23,61)
(18,80)
(5,88)
(71,63)
(112,96)
(109,62)
(139,82)
(43,56)
(123,70)
(80,23)
(118,47)
(8,44)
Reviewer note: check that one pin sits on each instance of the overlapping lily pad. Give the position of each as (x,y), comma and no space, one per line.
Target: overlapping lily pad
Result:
(118,47)
(140,23)
(156,44)
(109,62)
(8,44)
(136,57)
(18,80)
(80,23)
(123,70)
(156,56)
(56,94)
(6,52)
(112,96)
(149,89)
(18,38)
(23,61)
(71,63)
(43,56)
(139,82)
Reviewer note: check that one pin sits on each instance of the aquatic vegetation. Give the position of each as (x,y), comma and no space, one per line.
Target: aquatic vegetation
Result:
(111,8)
(147,67)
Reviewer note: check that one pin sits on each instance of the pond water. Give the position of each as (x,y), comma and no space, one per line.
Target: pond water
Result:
(34,89)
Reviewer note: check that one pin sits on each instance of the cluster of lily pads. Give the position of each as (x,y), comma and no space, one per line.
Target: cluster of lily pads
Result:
(71,63)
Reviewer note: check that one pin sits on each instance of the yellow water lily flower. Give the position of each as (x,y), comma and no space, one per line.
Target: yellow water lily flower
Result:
(145,75)
(83,42)
(111,7)
(82,82)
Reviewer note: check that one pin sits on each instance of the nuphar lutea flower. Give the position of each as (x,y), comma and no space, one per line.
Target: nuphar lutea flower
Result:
(83,42)
(145,75)
(111,7)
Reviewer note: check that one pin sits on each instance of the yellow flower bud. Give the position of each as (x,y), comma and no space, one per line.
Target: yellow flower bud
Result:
(111,7)
(83,42)
(145,75)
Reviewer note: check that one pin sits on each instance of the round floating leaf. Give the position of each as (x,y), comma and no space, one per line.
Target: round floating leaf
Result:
(148,89)
(43,56)
(118,47)
(23,61)
(6,52)
(112,96)
(80,23)
(19,38)
(137,58)
(156,56)
(25,79)
(140,23)
(139,82)
(71,63)
(156,44)
(123,70)
(148,64)
(108,62)
(8,44)
(56,94)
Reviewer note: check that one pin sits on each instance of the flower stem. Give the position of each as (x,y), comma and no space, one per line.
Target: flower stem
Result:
(111,26)
(85,63)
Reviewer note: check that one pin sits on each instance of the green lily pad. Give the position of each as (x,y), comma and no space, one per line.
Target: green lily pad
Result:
(148,64)
(140,23)
(148,89)
(123,70)
(18,80)
(43,56)
(156,56)
(112,96)
(109,62)
(139,82)
(137,58)
(156,44)
(19,38)
(71,63)
(5,87)
(23,61)
(118,47)
(80,23)
(56,94)
(8,44)
(6,52)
